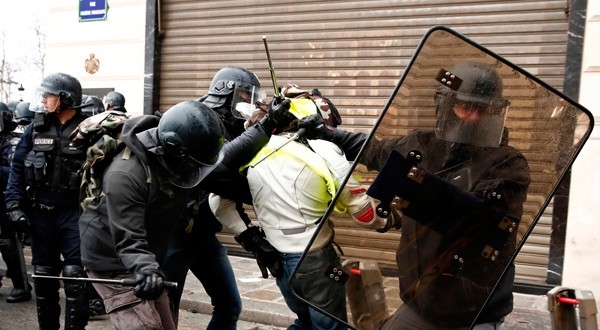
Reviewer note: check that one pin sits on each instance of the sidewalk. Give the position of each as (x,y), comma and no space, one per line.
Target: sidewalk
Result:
(263,303)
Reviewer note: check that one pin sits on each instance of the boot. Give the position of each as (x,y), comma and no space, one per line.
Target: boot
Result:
(15,270)
(19,295)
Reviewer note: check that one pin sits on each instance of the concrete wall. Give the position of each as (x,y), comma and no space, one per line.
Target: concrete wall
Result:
(582,251)
(118,43)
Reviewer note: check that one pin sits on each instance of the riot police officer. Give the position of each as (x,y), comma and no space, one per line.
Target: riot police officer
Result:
(91,105)
(476,179)
(125,233)
(114,101)
(23,116)
(12,105)
(10,243)
(47,163)
(194,245)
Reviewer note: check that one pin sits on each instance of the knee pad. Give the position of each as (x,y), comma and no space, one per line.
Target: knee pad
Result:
(45,287)
(73,288)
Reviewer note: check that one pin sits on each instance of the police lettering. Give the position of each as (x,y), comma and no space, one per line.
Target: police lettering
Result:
(42,141)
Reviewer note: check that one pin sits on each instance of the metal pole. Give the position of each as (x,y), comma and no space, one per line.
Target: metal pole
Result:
(125,282)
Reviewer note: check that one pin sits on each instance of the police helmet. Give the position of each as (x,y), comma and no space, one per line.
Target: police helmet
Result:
(236,88)
(114,101)
(12,105)
(66,87)
(6,124)
(91,105)
(191,136)
(479,95)
(23,115)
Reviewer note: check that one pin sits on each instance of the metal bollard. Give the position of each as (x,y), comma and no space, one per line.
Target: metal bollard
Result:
(565,305)
(366,297)
(587,309)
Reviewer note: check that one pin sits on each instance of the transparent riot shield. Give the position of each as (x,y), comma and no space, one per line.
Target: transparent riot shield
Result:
(462,162)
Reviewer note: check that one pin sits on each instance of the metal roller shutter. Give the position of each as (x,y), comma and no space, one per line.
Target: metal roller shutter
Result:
(354,52)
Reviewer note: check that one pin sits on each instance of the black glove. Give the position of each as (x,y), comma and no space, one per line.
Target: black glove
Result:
(18,219)
(149,284)
(278,117)
(316,128)
(267,257)
(393,221)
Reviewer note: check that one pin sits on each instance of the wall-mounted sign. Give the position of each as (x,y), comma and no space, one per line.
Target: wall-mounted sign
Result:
(92,10)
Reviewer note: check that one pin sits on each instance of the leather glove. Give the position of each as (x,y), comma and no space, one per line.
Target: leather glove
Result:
(149,284)
(316,128)
(278,116)
(393,221)
(267,257)
(18,219)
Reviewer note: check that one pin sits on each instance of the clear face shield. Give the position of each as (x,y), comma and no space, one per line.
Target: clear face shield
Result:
(44,101)
(469,119)
(245,98)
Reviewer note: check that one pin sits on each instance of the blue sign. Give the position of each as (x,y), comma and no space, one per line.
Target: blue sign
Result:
(92,10)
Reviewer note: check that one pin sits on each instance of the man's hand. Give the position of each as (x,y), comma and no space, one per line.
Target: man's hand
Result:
(315,127)
(149,284)
(18,219)
(278,117)
(267,257)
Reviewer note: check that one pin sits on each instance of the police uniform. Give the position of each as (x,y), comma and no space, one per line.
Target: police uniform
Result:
(475,170)
(8,239)
(125,233)
(44,175)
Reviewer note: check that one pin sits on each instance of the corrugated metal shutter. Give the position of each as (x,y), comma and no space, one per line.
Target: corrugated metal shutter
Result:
(354,52)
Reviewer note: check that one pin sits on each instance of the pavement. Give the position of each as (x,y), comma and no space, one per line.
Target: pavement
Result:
(264,307)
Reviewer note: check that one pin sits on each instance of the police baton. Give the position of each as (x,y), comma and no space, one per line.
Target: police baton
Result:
(124,282)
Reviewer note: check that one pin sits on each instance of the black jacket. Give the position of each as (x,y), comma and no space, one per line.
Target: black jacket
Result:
(442,274)
(129,229)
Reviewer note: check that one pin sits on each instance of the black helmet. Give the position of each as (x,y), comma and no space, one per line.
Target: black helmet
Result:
(114,101)
(236,88)
(91,105)
(6,124)
(66,87)
(191,137)
(12,105)
(23,115)
(477,89)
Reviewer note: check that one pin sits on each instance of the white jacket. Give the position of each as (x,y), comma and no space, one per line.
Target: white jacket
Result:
(291,190)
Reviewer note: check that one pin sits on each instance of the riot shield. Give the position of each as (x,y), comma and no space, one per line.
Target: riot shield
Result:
(462,162)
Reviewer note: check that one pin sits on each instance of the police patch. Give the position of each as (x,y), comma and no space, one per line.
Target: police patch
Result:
(43,141)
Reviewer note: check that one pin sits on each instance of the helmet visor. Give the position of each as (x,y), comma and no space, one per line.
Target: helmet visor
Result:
(188,172)
(245,98)
(470,119)
(44,100)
